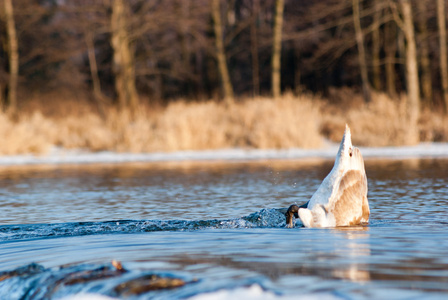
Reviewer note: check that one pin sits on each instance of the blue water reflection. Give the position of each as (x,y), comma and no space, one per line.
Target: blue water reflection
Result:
(216,227)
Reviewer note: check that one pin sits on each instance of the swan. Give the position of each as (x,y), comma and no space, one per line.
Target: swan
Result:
(341,199)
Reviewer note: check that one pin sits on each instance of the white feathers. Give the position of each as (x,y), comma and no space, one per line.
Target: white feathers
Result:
(341,199)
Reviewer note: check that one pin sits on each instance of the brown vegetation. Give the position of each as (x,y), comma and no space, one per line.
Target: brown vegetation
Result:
(257,123)
(122,65)
(382,122)
(149,51)
(262,123)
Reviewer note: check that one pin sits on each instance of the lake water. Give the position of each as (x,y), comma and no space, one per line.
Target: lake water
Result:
(215,227)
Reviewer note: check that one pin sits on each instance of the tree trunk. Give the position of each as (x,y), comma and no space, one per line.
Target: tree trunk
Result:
(93,66)
(297,66)
(277,49)
(13,57)
(254,49)
(361,52)
(220,54)
(443,54)
(426,81)
(123,58)
(376,48)
(390,49)
(412,84)
(183,11)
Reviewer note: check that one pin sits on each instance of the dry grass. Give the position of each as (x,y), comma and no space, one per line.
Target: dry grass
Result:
(30,134)
(380,123)
(289,122)
(433,127)
(255,123)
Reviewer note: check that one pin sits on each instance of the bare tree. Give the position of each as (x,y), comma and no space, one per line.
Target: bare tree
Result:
(93,65)
(277,48)
(390,48)
(13,56)
(441,18)
(173,49)
(254,48)
(426,82)
(220,53)
(412,82)
(361,52)
(123,60)
(376,47)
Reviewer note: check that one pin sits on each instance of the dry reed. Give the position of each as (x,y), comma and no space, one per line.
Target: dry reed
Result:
(288,122)
(255,123)
(382,122)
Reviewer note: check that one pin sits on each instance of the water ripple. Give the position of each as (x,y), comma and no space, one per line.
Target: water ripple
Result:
(259,219)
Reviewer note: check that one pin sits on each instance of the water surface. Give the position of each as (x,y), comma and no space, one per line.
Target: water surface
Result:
(216,227)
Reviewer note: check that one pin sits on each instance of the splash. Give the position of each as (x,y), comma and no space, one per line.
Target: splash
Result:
(260,219)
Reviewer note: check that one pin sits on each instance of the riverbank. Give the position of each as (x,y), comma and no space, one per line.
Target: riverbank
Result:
(63,157)
(285,124)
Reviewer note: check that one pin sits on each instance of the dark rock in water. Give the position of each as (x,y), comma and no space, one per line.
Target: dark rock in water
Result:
(25,271)
(147,283)
(37,282)
(72,275)
(91,275)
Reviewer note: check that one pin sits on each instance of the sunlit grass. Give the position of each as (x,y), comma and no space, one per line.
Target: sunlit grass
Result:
(382,122)
(262,123)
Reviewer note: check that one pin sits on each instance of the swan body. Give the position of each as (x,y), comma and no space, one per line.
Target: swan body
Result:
(341,199)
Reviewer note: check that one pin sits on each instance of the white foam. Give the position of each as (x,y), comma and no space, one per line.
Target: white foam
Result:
(87,296)
(255,292)
(252,292)
(63,156)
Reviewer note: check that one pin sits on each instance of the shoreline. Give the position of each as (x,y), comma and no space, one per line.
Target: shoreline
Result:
(64,157)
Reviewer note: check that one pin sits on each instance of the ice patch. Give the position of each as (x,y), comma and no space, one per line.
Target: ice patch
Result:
(64,156)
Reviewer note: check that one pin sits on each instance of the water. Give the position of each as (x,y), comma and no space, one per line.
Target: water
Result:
(215,227)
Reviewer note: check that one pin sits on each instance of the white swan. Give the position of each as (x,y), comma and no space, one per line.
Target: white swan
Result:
(341,199)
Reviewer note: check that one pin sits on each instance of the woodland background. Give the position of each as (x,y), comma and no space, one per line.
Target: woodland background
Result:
(153,75)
